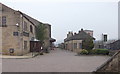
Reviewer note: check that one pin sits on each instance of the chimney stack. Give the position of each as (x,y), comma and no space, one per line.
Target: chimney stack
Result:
(81,29)
(69,34)
(75,33)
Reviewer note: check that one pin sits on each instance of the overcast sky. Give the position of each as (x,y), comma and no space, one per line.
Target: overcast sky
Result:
(72,15)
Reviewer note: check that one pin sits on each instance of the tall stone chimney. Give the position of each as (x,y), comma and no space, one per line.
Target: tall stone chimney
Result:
(75,33)
(81,29)
(69,34)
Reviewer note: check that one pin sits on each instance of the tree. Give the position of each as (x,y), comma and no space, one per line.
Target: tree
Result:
(87,44)
(40,32)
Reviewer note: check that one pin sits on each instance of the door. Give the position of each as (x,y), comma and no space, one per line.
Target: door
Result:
(35,46)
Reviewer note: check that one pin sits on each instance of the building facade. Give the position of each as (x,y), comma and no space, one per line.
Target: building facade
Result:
(73,42)
(18,29)
(90,32)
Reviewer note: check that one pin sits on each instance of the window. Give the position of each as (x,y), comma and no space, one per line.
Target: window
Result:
(25,45)
(80,45)
(75,45)
(31,29)
(3,20)
(25,34)
(105,38)
(25,26)
(15,33)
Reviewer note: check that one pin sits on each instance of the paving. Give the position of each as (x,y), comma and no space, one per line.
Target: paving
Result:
(26,56)
(56,61)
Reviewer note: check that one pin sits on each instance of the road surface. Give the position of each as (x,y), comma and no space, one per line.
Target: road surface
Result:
(56,61)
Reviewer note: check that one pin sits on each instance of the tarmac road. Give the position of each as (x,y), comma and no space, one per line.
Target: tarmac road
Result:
(56,61)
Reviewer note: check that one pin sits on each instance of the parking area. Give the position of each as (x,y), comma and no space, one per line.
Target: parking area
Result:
(56,61)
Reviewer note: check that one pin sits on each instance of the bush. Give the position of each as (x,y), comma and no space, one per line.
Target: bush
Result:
(87,44)
(102,51)
(41,53)
(84,51)
(92,52)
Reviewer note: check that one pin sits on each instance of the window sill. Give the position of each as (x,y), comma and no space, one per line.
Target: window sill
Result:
(3,25)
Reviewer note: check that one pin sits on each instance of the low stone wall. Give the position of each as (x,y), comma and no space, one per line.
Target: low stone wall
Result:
(112,65)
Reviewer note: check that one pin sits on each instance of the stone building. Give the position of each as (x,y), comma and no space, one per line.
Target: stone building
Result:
(114,45)
(17,30)
(73,42)
(90,32)
(61,45)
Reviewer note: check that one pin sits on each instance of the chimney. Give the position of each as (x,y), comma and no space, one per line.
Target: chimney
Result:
(69,34)
(75,33)
(81,29)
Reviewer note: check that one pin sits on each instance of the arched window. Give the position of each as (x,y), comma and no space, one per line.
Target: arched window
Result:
(31,28)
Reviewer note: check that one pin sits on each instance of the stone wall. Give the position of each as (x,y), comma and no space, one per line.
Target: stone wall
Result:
(9,40)
(112,65)
(25,30)
(69,45)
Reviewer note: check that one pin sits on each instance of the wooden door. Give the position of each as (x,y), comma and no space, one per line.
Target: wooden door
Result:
(35,46)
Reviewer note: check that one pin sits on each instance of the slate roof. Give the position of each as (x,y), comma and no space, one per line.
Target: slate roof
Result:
(115,45)
(32,20)
(80,36)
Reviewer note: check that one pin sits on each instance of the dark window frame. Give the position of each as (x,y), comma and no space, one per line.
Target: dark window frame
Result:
(31,28)
(25,45)
(80,45)
(25,26)
(25,34)
(75,45)
(15,33)
(4,20)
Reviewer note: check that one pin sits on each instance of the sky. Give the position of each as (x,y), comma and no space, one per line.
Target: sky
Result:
(101,16)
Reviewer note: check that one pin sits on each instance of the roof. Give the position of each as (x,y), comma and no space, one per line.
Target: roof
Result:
(32,20)
(89,30)
(80,36)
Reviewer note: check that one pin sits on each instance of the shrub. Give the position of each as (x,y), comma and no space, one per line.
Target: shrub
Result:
(92,51)
(84,51)
(87,44)
(102,51)
(41,53)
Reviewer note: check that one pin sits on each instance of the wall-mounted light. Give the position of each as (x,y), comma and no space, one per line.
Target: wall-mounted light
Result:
(17,25)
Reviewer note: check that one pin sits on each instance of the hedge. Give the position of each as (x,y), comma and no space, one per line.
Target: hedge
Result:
(101,51)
